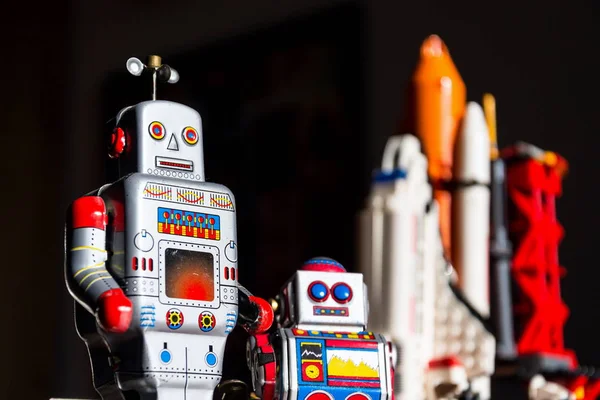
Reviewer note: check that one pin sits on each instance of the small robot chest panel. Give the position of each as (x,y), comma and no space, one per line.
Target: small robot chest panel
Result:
(332,366)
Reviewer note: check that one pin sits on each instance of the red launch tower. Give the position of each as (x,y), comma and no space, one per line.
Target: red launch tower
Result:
(533,184)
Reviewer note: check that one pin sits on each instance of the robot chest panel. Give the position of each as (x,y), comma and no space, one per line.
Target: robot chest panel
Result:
(180,212)
(332,366)
(176,238)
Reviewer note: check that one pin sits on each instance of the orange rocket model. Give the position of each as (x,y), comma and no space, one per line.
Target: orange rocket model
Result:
(438,104)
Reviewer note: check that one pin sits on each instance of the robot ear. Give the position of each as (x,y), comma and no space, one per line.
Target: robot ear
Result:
(118,143)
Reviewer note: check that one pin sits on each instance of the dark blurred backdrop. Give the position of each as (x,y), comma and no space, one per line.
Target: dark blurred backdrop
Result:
(321,81)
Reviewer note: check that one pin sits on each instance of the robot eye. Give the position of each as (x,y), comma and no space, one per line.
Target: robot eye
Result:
(341,292)
(157,130)
(190,135)
(318,291)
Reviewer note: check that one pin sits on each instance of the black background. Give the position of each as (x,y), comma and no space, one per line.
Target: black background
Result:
(63,60)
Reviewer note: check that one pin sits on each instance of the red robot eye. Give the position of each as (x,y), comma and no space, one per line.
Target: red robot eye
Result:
(318,291)
(190,135)
(157,130)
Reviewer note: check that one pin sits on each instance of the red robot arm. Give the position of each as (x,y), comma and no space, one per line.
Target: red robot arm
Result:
(255,314)
(263,365)
(89,281)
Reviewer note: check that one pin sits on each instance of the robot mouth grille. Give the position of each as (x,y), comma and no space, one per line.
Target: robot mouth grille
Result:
(174,163)
(331,311)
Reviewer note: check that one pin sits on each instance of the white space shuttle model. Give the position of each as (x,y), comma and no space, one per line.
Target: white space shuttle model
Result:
(445,348)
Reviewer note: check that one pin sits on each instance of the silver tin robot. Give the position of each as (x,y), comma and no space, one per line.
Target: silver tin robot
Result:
(151,259)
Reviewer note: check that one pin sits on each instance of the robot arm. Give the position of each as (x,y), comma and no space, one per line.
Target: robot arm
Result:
(260,356)
(255,315)
(393,356)
(89,281)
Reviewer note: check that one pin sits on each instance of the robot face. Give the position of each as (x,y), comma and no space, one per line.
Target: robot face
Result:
(330,298)
(168,140)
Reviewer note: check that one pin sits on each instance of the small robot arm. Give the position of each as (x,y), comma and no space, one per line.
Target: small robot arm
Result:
(89,282)
(260,356)
(255,315)
(393,354)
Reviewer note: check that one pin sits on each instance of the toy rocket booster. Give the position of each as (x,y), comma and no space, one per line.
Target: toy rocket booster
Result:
(439,99)
(395,227)
(471,208)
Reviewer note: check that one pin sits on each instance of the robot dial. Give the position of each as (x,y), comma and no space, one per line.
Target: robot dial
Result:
(231,251)
(207,321)
(144,241)
(312,371)
(174,318)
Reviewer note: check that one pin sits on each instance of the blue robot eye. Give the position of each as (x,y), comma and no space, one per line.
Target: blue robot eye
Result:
(318,291)
(341,293)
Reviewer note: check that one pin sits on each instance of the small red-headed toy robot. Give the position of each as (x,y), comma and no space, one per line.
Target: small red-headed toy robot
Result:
(152,259)
(321,349)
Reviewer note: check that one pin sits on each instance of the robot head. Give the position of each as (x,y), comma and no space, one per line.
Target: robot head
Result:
(158,137)
(323,296)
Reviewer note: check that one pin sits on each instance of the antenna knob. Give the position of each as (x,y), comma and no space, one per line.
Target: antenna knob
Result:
(154,61)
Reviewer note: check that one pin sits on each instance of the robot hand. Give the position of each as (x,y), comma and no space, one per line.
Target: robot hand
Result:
(265,315)
(255,315)
(232,389)
(114,311)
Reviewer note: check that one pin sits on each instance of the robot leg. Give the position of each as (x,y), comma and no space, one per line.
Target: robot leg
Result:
(102,372)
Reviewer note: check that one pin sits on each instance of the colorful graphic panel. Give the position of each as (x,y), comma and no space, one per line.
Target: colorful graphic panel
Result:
(338,363)
(187,223)
(194,197)
(311,361)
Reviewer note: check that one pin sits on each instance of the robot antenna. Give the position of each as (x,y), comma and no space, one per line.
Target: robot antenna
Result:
(135,66)
(174,76)
(160,72)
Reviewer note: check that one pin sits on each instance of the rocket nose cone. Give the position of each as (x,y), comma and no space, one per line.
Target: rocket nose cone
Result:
(433,46)
(472,149)
(474,119)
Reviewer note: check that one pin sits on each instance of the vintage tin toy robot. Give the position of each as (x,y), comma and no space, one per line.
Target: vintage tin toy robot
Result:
(152,259)
(321,350)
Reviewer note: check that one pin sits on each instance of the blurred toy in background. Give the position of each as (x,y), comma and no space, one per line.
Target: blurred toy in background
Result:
(500,249)
(540,389)
(406,235)
(533,183)
(438,98)
(321,349)
(496,232)
(442,341)
(152,258)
